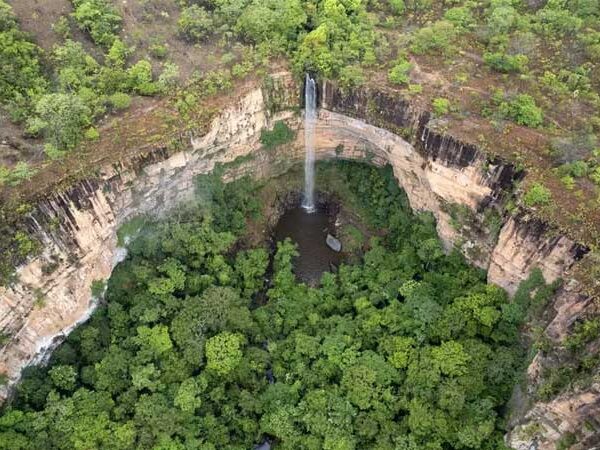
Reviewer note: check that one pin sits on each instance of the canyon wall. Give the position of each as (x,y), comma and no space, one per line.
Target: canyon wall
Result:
(78,226)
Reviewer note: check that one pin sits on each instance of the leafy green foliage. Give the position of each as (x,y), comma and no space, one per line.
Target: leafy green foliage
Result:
(21,172)
(521,109)
(61,118)
(441,106)
(537,195)
(223,353)
(436,38)
(504,63)
(21,77)
(397,6)
(140,78)
(400,72)
(98,18)
(407,349)
(194,23)
(279,135)
(120,100)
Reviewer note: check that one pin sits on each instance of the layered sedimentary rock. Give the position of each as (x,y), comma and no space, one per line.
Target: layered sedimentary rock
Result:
(78,226)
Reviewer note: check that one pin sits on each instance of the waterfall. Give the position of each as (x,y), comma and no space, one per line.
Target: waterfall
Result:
(310,119)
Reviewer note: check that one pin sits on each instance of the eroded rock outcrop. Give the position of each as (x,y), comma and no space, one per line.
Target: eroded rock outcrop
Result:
(78,226)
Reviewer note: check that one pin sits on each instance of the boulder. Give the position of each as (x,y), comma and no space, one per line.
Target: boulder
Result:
(333,243)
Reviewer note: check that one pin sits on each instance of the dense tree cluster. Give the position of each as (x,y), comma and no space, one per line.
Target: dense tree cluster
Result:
(409,349)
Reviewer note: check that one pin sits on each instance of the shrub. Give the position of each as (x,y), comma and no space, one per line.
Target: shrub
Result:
(280,134)
(140,78)
(4,175)
(98,287)
(53,152)
(351,76)
(21,77)
(436,38)
(194,23)
(117,55)
(397,6)
(502,18)
(120,100)
(554,20)
(414,89)
(241,70)
(523,110)
(98,18)
(61,27)
(537,195)
(61,118)
(568,181)
(504,63)
(595,175)
(159,51)
(400,73)
(92,134)
(21,172)
(575,169)
(460,17)
(169,76)
(441,106)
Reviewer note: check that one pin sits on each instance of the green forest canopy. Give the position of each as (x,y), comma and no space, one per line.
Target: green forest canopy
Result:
(408,350)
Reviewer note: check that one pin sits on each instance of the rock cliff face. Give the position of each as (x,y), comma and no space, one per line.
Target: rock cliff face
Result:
(78,226)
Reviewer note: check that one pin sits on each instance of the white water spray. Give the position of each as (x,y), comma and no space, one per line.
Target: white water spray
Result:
(310,119)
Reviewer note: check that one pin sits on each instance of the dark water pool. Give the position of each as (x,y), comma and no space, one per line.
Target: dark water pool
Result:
(309,231)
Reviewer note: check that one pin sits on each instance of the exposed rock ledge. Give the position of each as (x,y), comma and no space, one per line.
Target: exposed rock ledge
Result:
(78,226)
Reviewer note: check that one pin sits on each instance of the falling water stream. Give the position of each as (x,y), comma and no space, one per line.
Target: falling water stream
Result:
(310,119)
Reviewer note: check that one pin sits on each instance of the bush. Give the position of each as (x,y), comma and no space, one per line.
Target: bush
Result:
(281,134)
(140,78)
(168,77)
(577,169)
(117,55)
(414,89)
(400,73)
(461,17)
(595,175)
(98,288)
(537,195)
(397,6)
(98,18)
(504,63)
(60,117)
(61,27)
(4,175)
(21,77)
(92,134)
(568,181)
(52,152)
(120,100)
(441,106)
(194,23)
(351,76)
(158,51)
(523,110)
(19,173)
(436,38)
